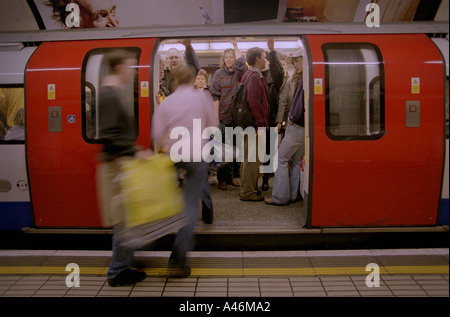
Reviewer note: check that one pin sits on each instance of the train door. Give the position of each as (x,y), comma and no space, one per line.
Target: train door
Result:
(377,130)
(62,81)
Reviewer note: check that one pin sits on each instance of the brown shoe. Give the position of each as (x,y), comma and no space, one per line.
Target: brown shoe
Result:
(253,197)
(222,185)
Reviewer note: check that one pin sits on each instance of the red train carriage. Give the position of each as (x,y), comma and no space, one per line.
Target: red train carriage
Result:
(375,139)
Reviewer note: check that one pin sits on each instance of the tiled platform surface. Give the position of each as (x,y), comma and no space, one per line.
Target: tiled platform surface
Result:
(235,274)
(96,286)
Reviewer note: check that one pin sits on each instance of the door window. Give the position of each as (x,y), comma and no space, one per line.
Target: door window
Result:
(354,79)
(95,69)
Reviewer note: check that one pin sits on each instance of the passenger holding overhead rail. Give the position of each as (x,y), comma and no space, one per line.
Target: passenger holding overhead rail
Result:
(292,148)
(173,59)
(224,85)
(274,72)
(258,103)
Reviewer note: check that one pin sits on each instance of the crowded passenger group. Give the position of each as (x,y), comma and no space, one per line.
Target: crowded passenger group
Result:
(275,100)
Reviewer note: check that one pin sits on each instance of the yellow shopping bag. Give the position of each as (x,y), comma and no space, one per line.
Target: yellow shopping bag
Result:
(150,190)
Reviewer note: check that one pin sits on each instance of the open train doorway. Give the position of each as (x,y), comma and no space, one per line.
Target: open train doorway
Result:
(211,56)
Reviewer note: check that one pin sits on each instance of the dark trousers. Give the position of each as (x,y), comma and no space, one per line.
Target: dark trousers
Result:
(226,172)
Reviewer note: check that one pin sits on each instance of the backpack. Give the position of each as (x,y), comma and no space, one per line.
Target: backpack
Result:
(242,116)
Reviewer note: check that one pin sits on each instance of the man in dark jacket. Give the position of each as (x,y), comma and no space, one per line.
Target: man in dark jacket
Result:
(117,134)
(258,102)
(275,76)
(173,59)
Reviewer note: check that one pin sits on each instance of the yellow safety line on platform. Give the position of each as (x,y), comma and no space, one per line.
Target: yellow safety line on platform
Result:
(316,271)
(417,269)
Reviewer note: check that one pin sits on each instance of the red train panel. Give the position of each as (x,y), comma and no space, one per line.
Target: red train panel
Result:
(61,162)
(391,176)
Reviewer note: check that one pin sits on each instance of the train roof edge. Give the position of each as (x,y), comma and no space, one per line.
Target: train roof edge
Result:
(263,29)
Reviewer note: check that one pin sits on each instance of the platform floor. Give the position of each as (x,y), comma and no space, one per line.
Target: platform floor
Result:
(339,273)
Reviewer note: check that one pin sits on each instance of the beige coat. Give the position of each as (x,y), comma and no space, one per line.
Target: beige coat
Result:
(285,100)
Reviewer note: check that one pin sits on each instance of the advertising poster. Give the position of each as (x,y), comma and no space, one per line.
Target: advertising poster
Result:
(61,14)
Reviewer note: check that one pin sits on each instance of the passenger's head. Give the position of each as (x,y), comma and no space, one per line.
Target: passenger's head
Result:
(282,57)
(228,59)
(184,75)
(256,58)
(173,58)
(201,79)
(266,67)
(297,60)
(122,64)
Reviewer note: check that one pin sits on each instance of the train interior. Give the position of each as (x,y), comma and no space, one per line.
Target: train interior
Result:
(230,213)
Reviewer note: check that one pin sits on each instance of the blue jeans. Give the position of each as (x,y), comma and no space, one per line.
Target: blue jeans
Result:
(193,191)
(122,257)
(287,176)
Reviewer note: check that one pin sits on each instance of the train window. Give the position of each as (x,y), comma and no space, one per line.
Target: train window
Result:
(12,115)
(354,76)
(95,69)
